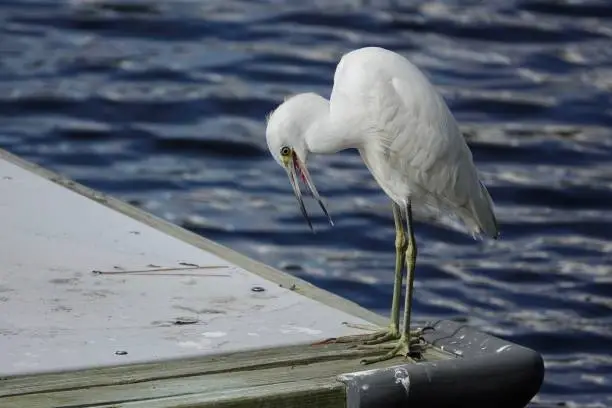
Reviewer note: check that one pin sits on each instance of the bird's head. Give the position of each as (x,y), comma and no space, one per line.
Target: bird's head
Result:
(286,134)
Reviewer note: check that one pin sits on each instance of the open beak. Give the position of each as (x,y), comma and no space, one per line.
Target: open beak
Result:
(297,171)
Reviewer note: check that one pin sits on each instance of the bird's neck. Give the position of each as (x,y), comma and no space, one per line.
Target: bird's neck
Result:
(326,136)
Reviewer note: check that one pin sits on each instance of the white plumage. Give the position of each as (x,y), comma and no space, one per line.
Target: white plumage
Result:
(413,145)
(384,106)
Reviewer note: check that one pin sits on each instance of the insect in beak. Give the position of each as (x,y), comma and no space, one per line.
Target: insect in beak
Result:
(297,172)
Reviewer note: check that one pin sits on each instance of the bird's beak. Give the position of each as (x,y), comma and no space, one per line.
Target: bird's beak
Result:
(297,171)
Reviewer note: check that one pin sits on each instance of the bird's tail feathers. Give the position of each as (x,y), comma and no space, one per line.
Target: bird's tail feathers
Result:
(483,213)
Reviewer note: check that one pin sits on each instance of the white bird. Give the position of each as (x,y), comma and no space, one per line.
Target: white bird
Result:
(386,108)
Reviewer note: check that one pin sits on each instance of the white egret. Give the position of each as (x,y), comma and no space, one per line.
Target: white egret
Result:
(385,107)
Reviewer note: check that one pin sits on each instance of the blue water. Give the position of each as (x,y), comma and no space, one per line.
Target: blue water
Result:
(162,103)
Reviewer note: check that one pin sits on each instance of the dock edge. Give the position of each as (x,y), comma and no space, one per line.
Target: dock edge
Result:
(488,371)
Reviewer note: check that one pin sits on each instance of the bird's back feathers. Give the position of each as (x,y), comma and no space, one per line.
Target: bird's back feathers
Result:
(411,141)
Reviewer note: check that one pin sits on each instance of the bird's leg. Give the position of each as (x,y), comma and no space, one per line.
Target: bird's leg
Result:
(410,342)
(393,331)
(410,337)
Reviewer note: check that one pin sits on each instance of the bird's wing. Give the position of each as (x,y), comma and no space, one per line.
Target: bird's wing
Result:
(422,139)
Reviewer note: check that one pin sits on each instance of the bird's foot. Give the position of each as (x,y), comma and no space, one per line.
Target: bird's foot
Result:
(379,336)
(387,340)
(411,346)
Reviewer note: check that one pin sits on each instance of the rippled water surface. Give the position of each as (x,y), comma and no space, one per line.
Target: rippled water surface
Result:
(163,104)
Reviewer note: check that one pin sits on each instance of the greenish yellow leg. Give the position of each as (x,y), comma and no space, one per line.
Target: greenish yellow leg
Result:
(393,331)
(410,341)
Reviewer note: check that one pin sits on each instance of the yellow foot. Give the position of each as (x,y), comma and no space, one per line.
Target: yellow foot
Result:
(379,336)
(407,346)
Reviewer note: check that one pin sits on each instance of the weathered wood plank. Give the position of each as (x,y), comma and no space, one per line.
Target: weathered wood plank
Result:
(293,395)
(295,376)
(226,364)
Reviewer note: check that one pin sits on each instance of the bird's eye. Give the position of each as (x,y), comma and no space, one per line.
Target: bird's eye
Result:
(284,151)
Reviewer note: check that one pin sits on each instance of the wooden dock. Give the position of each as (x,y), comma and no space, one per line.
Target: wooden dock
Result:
(104,305)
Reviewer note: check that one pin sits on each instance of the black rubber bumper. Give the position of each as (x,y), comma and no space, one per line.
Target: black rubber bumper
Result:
(486,372)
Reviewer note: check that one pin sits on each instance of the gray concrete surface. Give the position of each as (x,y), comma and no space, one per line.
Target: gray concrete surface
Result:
(57,314)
